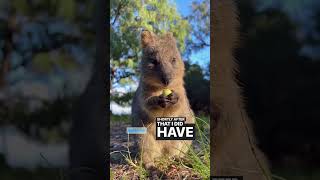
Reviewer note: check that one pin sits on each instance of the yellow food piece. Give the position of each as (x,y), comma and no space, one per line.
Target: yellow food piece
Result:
(166,92)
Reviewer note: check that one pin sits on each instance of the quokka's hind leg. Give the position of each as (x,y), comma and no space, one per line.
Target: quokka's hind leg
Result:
(150,150)
(178,149)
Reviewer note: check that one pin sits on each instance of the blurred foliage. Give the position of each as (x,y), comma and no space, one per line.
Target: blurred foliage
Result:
(122,99)
(197,88)
(120,118)
(48,40)
(200,26)
(281,86)
(66,9)
(44,62)
(46,33)
(50,123)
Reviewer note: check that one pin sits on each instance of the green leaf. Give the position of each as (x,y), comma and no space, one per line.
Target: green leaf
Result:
(130,63)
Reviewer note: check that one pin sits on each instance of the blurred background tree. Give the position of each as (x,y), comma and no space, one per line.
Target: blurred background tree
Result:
(52,44)
(46,52)
(197,77)
(198,88)
(200,26)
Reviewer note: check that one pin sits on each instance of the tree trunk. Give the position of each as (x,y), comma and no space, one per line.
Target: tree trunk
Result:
(89,139)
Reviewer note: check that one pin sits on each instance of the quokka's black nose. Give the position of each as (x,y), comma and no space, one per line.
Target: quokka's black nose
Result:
(165,80)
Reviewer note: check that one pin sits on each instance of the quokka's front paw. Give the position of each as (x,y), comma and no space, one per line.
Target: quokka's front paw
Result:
(149,165)
(173,98)
(167,101)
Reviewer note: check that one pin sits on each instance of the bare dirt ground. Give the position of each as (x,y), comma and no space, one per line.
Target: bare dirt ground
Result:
(122,170)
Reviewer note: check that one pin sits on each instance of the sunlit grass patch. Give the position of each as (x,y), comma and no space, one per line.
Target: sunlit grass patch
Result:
(120,118)
(195,164)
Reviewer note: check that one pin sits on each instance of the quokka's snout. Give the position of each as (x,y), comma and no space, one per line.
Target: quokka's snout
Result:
(166,77)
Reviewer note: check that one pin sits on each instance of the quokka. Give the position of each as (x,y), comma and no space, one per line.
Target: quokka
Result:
(161,68)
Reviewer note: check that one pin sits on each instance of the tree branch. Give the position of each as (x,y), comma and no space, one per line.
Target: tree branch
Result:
(120,6)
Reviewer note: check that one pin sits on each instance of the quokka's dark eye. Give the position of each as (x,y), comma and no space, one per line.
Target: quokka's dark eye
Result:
(153,61)
(150,66)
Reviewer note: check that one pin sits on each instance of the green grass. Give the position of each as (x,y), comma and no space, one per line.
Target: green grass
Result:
(197,159)
(120,118)
(200,159)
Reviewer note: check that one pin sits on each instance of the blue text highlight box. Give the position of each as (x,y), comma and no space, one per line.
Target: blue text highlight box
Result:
(136,130)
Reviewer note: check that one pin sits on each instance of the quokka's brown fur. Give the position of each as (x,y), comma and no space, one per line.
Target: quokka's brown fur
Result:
(233,148)
(161,67)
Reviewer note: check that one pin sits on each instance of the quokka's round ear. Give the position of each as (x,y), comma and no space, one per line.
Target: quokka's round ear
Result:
(170,34)
(147,38)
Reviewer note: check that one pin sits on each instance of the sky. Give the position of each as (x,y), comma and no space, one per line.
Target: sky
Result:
(201,57)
